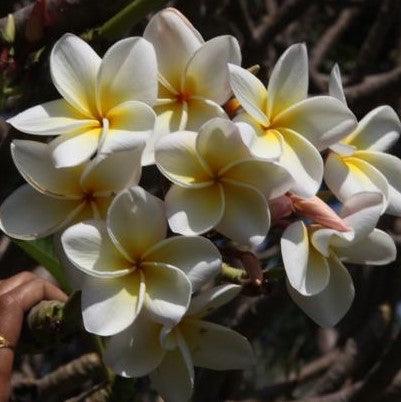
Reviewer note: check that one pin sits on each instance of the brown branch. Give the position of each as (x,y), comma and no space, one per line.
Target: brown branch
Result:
(65,381)
(327,41)
(376,37)
(357,352)
(382,373)
(307,372)
(272,24)
(374,85)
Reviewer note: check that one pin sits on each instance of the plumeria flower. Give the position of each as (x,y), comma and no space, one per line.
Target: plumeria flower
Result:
(358,162)
(130,264)
(218,183)
(105,102)
(170,354)
(193,74)
(289,126)
(55,198)
(313,258)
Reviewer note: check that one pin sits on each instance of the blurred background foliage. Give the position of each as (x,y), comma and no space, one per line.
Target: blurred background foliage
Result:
(359,360)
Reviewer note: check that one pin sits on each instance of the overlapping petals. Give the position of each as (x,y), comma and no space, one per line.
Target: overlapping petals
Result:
(317,279)
(193,74)
(289,126)
(170,354)
(129,262)
(359,163)
(107,98)
(215,189)
(54,198)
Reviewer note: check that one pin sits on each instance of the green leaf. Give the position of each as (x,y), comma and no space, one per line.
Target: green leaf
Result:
(120,24)
(42,250)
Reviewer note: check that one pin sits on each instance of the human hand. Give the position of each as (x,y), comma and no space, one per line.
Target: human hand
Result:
(18,295)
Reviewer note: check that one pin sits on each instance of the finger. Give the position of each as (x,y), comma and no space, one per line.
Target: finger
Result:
(9,284)
(13,305)
(31,293)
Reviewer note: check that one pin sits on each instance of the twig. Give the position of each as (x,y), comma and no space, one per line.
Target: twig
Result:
(66,380)
(375,40)
(326,42)
(356,353)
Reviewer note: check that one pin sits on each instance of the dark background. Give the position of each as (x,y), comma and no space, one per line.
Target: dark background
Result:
(360,359)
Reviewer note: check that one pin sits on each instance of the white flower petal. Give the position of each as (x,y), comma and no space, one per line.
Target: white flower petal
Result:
(51,118)
(27,214)
(167,121)
(74,66)
(377,248)
(271,179)
(218,134)
(215,347)
(390,167)
(211,299)
(377,131)
(206,73)
(113,172)
(33,161)
(136,221)
(194,211)
(130,125)
(303,161)
(362,212)
(70,150)
(88,246)
(197,257)
(343,149)
(348,176)
(323,239)
(136,351)
(168,292)
(335,85)
(128,72)
(202,110)
(175,41)
(328,307)
(177,159)
(250,92)
(244,224)
(111,305)
(307,270)
(323,120)
(288,83)
(174,378)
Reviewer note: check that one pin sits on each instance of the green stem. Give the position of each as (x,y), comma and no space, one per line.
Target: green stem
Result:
(123,21)
(232,274)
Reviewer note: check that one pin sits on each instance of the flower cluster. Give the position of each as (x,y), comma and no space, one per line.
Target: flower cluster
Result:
(160,100)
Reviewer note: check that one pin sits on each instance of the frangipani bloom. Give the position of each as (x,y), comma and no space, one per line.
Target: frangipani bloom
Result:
(218,183)
(170,354)
(106,102)
(55,198)
(131,265)
(313,258)
(358,162)
(193,74)
(288,125)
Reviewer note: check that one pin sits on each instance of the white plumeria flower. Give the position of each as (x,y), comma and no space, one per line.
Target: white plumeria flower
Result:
(358,162)
(131,264)
(170,354)
(313,258)
(193,74)
(218,183)
(54,198)
(106,102)
(288,125)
